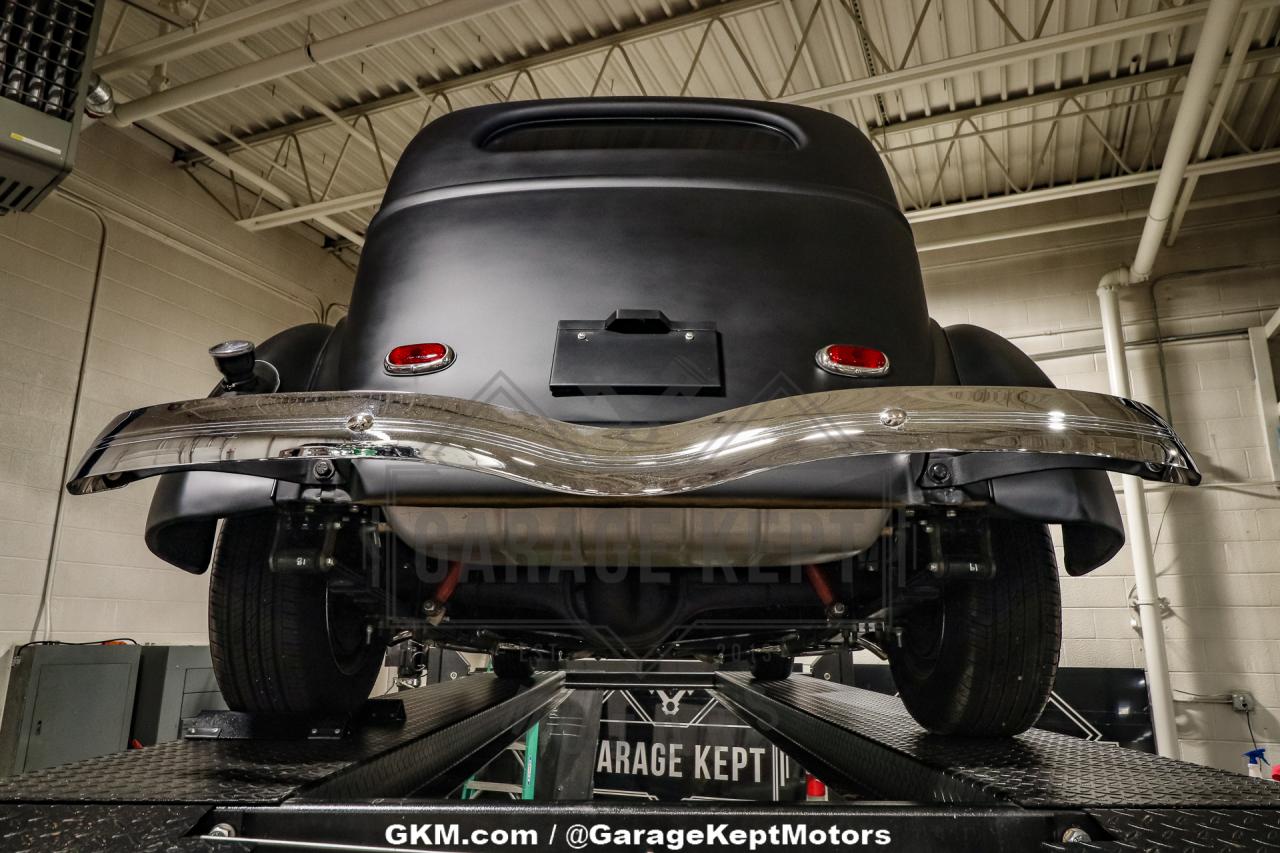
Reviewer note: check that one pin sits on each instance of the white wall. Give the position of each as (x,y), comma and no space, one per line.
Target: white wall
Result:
(165,298)
(169,290)
(1218,546)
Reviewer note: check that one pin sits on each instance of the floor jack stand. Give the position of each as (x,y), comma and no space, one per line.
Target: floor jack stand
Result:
(381,786)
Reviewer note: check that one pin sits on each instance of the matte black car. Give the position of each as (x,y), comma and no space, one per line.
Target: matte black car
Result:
(643,378)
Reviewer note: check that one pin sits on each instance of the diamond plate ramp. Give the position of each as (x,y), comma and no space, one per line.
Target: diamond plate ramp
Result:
(258,771)
(873,735)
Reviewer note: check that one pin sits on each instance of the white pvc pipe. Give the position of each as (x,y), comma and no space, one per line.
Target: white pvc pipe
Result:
(317,53)
(1219,21)
(1239,51)
(259,16)
(1156,663)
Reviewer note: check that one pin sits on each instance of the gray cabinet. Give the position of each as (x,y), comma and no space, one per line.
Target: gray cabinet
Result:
(64,703)
(175,682)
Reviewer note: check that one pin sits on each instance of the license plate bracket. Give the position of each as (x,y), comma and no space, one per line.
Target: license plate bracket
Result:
(637,351)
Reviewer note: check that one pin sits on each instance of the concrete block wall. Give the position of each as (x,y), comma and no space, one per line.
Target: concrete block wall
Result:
(1218,546)
(164,299)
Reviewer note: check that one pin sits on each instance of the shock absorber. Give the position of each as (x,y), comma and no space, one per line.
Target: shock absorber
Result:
(434,607)
(818,580)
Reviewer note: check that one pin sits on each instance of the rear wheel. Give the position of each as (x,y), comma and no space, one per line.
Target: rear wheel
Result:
(284,642)
(981,660)
(768,666)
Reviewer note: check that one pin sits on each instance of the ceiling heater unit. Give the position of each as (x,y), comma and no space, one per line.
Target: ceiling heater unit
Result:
(46,48)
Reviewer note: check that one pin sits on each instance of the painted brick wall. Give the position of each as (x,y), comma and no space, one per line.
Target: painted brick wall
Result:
(162,302)
(1217,547)
(160,306)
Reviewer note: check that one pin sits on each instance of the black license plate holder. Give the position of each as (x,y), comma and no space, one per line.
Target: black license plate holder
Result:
(637,352)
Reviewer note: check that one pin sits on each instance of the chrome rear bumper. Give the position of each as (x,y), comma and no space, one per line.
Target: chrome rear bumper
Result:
(270,435)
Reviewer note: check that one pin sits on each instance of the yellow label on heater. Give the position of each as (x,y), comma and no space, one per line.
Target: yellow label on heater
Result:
(18,137)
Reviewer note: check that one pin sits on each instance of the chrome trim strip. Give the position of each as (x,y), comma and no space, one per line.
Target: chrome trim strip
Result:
(824,361)
(254,433)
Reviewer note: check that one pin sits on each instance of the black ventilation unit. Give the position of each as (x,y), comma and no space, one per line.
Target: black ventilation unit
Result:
(46,47)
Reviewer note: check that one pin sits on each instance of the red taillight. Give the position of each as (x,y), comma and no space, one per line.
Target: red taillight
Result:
(814,789)
(419,358)
(852,360)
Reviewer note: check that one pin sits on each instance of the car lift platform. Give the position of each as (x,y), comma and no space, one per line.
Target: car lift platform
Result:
(292,791)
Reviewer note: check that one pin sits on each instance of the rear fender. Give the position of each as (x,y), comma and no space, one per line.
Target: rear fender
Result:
(183,522)
(1083,502)
(301,354)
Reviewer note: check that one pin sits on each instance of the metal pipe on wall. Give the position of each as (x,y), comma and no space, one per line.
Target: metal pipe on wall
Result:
(1138,531)
(1219,21)
(42,627)
(1239,51)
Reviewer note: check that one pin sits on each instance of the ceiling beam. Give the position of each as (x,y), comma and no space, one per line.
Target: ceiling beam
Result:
(318,52)
(1023,51)
(1159,21)
(155,10)
(372,198)
(248,175)
(1233,163)
(1114,218)
(195,37)
(303,212)
(1053,96)
(1017,51)
(553,57)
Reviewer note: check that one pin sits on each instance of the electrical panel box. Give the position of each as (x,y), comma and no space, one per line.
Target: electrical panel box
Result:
(64,703)
(46,47)
(174,683)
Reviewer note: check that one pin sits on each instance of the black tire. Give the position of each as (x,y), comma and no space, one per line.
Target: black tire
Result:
(269,632)
(766,666)
(981,661)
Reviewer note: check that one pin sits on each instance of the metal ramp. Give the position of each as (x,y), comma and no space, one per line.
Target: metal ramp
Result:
(1121,798)
(1039,791)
